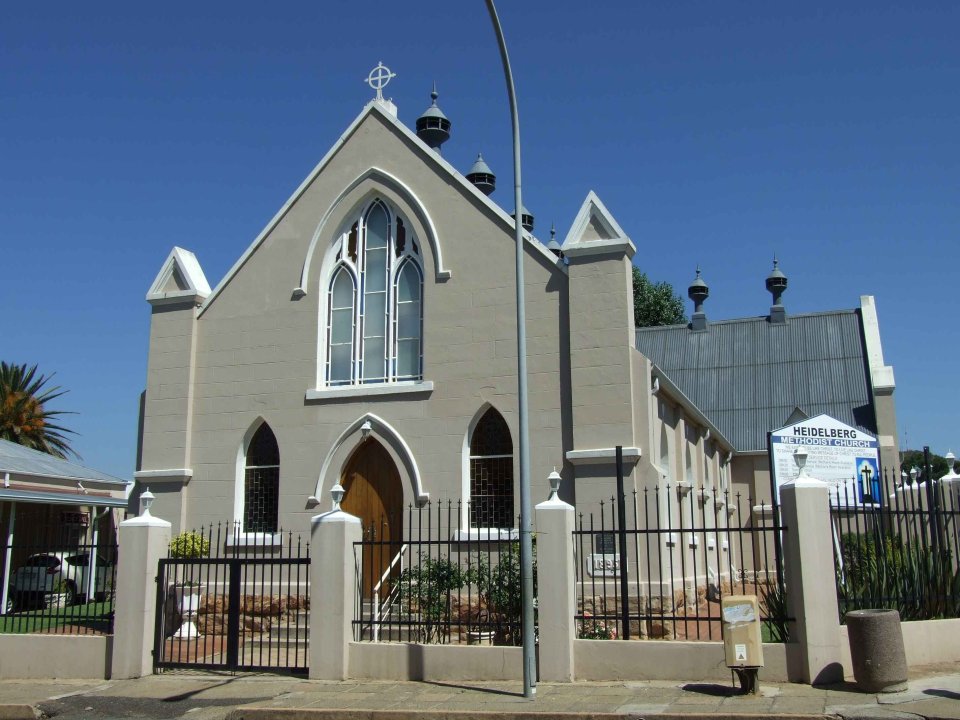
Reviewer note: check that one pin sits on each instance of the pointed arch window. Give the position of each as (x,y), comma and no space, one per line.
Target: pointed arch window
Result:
(375,302)
(491,473)
(261,483)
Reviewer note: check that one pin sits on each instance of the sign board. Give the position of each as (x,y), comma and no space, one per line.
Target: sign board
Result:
(842,456)
(603,565)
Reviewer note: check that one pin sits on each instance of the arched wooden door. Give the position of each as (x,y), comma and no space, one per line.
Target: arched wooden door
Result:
(373,492)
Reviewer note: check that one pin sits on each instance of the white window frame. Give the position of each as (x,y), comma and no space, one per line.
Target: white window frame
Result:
(237,537)
(467,531)
(357,269)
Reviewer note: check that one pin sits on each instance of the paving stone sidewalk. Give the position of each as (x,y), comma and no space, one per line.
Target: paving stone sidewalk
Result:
(933,693)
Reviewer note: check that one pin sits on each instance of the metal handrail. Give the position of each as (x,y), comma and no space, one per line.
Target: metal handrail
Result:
(379,609)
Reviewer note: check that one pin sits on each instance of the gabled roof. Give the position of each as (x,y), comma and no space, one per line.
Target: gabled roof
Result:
(594,231)
(750,376)
(20,460)
(380,109)
(180,279)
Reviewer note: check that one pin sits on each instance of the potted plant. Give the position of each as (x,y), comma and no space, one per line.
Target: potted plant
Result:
(61,594)
(188,545)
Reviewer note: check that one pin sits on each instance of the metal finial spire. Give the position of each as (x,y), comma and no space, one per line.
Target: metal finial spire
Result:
(378,79)
(434,94)
(553,236)
(776,285)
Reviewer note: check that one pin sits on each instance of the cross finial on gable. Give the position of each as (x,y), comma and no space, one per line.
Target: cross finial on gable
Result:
(378,79)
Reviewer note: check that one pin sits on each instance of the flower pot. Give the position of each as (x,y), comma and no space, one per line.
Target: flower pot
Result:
(188,601)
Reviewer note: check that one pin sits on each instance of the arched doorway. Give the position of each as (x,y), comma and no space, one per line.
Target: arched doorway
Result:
(373,492)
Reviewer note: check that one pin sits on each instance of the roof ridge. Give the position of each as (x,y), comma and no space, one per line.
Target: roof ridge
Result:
(752,318)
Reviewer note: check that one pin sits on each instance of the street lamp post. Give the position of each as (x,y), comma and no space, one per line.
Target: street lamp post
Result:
(526,524)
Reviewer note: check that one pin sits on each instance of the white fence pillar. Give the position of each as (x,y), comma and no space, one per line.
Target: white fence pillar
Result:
(811,578)
(143,541)
(555,581)
(333,590)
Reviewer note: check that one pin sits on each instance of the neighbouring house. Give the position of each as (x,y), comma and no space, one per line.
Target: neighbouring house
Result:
(367,337)
(48,504)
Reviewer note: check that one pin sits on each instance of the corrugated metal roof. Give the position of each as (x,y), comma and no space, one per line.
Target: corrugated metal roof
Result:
(749,375)
(18,459)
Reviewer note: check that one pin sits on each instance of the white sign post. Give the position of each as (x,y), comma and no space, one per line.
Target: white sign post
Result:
(842,456)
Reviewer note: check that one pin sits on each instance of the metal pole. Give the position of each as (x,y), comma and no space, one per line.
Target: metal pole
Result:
(622,540)
(7,559)
(931,504)
(526,524)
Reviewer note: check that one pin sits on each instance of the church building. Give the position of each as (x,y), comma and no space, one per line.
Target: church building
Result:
(367,337)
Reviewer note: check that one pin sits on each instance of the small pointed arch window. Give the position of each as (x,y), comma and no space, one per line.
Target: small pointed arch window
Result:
(664,453)
(375,299)
(491,473)
(341,326)
(261,483)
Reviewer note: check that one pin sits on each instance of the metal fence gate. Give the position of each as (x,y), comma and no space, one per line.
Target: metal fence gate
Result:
(245,610)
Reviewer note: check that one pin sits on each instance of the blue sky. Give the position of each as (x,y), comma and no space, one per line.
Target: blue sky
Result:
(717,134)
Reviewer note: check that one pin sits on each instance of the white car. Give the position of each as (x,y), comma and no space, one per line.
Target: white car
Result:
(67,573)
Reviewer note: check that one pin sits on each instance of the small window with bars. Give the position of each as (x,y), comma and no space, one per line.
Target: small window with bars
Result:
(491,473)
(261,483)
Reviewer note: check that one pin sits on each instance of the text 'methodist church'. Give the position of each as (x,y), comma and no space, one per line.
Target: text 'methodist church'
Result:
(367,336)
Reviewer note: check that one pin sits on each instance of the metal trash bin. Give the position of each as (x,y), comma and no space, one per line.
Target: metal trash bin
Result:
(876,649)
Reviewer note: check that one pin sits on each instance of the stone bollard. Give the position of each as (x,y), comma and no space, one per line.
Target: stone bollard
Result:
(876,649)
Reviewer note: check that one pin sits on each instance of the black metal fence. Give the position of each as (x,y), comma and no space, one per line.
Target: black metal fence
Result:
(234,601)
(423,579)
(897,544)
(660,572)
(56,586)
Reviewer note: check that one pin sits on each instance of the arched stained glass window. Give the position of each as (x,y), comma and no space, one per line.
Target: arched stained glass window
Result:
(409,322)
(375,300)
(341,330)
(261,482)
(491,473)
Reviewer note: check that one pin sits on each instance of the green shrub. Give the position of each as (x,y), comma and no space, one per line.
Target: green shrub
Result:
(914,580)
(501,591)
(426,588)
(774,599)
(189,544)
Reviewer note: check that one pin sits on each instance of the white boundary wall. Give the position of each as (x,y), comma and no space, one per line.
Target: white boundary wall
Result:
(49,657)
(562,657)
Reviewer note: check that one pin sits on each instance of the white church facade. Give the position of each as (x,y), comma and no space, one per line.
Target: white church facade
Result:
(367,336)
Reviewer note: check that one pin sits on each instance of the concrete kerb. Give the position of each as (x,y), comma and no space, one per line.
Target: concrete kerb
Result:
(19,712)
(257,713)
(933,695)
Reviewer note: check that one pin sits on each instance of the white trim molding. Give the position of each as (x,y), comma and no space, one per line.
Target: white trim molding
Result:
(603,455)
(183,265)
(337,392)
(353,436)
(254,539)
(881,376)
(485,535)
(427,154)
(595,232)
(387,180)
(173,475)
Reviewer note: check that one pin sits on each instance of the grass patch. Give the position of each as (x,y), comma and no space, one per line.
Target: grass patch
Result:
(93,616)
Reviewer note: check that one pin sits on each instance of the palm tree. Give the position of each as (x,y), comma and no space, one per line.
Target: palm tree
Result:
(24,418)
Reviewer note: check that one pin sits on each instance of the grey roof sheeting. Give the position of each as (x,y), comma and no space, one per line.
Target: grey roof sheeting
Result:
(18,459)
(748,375)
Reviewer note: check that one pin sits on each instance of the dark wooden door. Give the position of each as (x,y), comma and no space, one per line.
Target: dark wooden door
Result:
(372,492)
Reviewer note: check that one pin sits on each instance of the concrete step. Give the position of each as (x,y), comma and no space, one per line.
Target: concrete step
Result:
(293,629)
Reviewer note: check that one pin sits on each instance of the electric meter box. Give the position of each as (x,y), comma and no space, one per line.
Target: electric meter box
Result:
(742,644)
